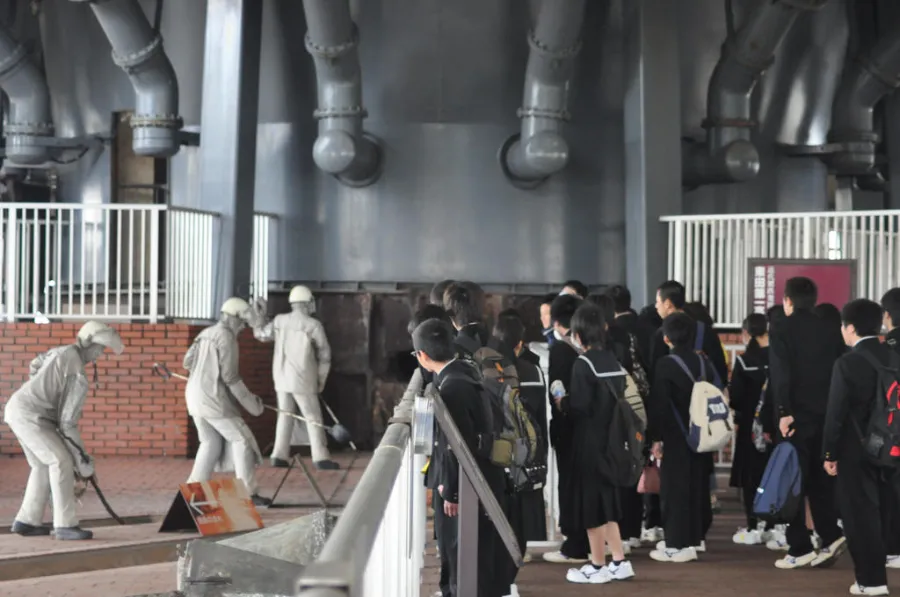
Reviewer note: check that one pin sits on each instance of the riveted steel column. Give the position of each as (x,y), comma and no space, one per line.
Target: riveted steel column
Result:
(652,140)
(228,135)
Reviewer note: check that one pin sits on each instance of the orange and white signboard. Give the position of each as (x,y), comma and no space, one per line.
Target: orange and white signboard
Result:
(215,507)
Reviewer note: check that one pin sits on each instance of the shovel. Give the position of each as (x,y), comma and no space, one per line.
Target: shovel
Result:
(340,433)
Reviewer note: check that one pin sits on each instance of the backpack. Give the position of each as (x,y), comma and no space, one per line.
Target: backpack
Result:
(711,420)
(698,348)
(623,462)
(514,441)
(778,496)
(881,441)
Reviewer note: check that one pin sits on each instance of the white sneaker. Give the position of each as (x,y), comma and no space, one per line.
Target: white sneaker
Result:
(790,562)
(624,571)
(816,541)
(675,556)
(661,546)
(829,555)
(513,591)
(589,575)
(856,589)
(774,534)
(778,544)
(652,535)
(633,543)
(626,549)
(556,557)
(892,562)
(527,557)
(745,537)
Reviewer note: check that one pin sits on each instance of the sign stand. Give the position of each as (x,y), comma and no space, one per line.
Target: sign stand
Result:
(214,507)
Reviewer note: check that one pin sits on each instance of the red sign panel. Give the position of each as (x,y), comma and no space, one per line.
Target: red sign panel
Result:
(835,279)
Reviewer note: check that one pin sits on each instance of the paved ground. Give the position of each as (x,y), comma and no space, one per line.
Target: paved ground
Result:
(727,569)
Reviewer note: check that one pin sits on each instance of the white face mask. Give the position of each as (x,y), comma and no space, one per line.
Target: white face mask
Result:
(557,335)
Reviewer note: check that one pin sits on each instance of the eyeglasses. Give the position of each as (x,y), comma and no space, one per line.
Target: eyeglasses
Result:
(415,353)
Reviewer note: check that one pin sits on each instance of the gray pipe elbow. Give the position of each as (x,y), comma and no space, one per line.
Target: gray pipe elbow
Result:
(535,159)
(355,161)
(738,161)
(29,120)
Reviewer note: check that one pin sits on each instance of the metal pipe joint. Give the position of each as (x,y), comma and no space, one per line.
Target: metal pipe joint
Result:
(29,123)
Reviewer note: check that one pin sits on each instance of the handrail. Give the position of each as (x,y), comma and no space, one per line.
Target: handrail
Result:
(84,206)
(780,216)
(193,210)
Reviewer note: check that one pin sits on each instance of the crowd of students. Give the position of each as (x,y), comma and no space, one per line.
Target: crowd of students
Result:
(810,375)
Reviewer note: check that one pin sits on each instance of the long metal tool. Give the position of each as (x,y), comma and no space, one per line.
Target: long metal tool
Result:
(92,480)
(336,421)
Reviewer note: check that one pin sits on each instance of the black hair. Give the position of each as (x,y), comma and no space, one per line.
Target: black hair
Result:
(563,308)
(803,293)
(462,303)
(621,297)
(424,314)
(864,315)
(580,289)
(649,317)
(436,296)
(774,314)
(606,304)
(756,325)
(435,338)
(680,329)
(672,291)
(828,313)
(509,332)
(699,312)
(549,298)
(890,302)
(510,312)
(589,325)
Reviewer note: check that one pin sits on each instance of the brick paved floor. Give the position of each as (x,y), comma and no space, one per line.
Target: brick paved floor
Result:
(121,582)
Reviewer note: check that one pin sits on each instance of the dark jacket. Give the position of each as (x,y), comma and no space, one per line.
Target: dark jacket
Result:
(642,331)
(802,353)
(711,347)
(751,370)
(671,392)
(854,389)
(562,359)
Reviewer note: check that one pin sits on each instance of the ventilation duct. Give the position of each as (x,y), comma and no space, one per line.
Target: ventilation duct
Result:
(342,148)
(539,150)
(28,120)
(729,155)
(874,74)
(138,50)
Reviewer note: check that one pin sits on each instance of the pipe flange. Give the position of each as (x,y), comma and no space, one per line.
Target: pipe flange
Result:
(9,64)
(807,5)
(890,79)
(332,52)
(29,129)
(850,136)
(728,123)
(534,112)
(133,62)
(169,121)
(553,53)
(342,112)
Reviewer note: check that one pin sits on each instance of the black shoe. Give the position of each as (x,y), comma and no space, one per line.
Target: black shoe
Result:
(72,534)
(327,465)
(28,530)
(279,463)
(260,501)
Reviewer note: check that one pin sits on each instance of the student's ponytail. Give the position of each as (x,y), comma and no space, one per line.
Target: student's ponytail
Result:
(756,325)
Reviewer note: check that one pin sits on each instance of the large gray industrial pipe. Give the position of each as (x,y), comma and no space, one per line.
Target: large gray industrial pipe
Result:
(540,150)
(138,50)
(342,148)
(29,115)
(728,155)
(866,80)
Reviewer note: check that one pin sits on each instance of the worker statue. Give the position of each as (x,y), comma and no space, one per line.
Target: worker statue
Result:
(300,366)
(44,415)
(213,392)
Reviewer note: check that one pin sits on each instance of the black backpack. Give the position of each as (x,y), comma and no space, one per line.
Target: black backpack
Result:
(623,462)
(881,440)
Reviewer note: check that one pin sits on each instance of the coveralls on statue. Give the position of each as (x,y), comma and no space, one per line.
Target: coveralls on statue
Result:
(44,415)
(213,392)
(300,365)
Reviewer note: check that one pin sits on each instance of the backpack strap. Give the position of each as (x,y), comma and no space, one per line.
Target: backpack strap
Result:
(468,343)
(687,371)
(701,333)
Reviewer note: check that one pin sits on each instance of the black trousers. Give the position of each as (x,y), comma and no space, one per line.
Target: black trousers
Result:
(576,544)
(819,488)
(684,495)
(632,513)
(653,509)
(447,541)
(866,498)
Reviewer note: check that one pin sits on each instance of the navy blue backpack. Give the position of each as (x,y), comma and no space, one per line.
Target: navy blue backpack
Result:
(778,495)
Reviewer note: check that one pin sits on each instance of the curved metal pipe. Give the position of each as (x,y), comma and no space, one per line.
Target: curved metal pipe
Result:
(728,155)
(867,79)
(29,117)
(540,150)
(138,50)
(342,148)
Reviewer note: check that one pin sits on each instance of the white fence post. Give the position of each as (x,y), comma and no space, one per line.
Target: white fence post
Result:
(12,280)
(155,248)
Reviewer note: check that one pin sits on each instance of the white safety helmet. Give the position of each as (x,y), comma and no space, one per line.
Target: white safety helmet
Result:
(300,294)
(236,307)
(94,332)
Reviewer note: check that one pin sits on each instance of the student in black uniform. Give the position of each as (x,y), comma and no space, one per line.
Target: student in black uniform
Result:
(563,354)
(890,302)
(649,322)
(753,414)
(575,288)
(865,491)
(546,321)
(526,505)
(802,352)
(460,390)
(596,375)
(462,300)
(525,353)
(684,490)
(436,296)
(828,313)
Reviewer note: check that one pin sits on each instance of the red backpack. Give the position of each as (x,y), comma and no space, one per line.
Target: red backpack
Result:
(881,440)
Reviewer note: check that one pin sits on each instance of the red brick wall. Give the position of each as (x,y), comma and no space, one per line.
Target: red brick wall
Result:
(132,412)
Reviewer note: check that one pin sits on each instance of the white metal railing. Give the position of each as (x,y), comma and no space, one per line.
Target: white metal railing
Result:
(709,253)
(78,261)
